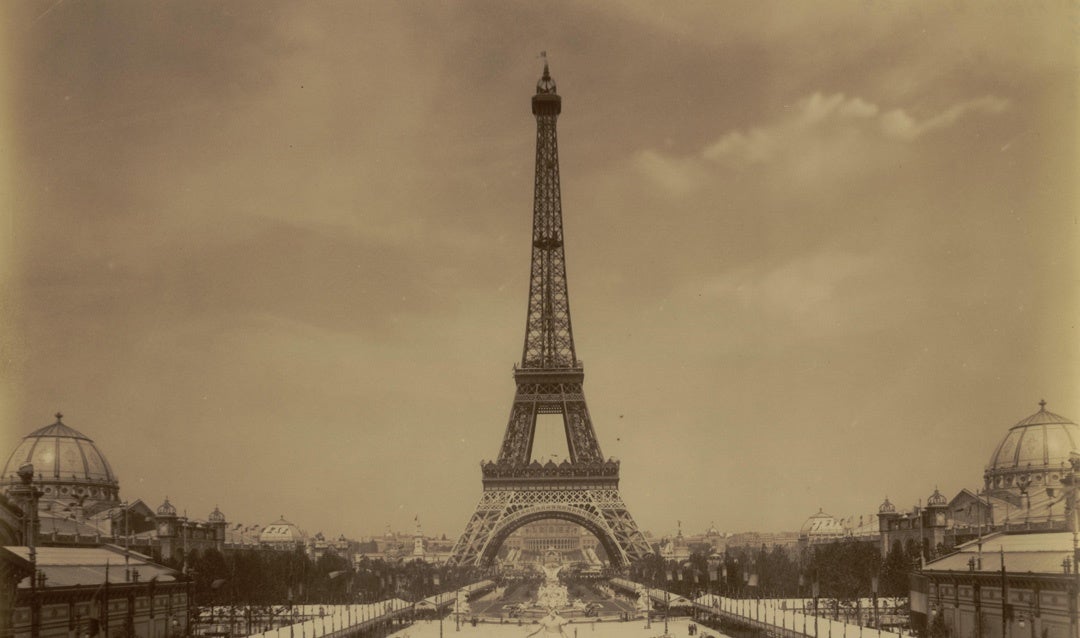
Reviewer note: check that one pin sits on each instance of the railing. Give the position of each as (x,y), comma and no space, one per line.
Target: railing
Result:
(340,621)
(337,621)
(788,616)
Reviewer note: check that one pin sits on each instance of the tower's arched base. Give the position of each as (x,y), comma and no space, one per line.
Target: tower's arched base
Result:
(504,509)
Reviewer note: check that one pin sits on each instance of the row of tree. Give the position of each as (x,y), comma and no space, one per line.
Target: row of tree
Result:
(844,569)
(261,577)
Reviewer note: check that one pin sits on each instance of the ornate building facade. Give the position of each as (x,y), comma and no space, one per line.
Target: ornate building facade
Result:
(76,497)
(80,591)
(1023,491)
(531,542)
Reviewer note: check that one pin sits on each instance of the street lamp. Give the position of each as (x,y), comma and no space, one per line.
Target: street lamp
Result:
(713,574)
(438,601)
(648,602)
(31,494)
(1029,617)
(667,600)
(874,591)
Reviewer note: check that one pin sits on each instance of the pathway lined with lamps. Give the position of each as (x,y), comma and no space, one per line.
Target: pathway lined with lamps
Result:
(341,621)
(789,616)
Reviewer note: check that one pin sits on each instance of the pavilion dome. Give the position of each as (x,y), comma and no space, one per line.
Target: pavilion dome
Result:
(1039,442)
(216,516)
(166,508)
(937,499)
(1034,452)
(821,524)
(281,531)
(887,507)
(67,465)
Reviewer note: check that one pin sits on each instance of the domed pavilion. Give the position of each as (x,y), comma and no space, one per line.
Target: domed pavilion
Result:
(1023,490)
(69,469)
(1026,467)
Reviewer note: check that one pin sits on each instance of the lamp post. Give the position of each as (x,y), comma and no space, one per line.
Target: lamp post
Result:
(648,577)
(815,590)
(713,574)
(1028,616)
(438,601)
(667,609)
(648,607)
(192,610)
(874,591)
(802,603)
(31,494)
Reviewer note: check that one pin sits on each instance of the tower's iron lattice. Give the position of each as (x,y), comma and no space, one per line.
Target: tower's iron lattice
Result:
(584,488)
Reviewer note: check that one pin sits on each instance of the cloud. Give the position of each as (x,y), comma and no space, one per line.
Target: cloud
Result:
(899,124)
(821,135)
(812,292)
(764,143)
(678,176)
(817,112)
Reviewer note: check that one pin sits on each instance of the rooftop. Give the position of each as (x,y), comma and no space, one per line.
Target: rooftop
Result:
(1035,553)
(73,566)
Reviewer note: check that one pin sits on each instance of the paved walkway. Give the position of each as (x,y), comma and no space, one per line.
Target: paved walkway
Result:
(635,629)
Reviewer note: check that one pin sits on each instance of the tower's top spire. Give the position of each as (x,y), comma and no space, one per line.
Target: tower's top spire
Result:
(546,84)
(546,101)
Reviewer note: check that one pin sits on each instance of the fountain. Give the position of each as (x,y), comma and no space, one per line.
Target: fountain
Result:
(552,594)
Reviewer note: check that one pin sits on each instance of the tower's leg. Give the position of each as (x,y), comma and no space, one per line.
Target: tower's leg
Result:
(520,431)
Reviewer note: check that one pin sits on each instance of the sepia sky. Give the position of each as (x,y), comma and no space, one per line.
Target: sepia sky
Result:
(274,256)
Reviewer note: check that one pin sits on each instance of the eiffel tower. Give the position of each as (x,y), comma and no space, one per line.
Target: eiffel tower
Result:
(583,489)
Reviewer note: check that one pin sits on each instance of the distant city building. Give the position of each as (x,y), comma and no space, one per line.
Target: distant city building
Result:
(789,540)
(319,546)
(401,546)
(531,542)
(177,537)
(825,528)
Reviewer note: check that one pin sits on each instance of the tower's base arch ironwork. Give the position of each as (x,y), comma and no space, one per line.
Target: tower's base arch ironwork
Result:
(600,510)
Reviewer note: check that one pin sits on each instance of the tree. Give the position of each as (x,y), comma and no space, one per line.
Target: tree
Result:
(895,571)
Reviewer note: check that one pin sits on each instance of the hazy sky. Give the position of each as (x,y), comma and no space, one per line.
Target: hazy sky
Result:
(274,256)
